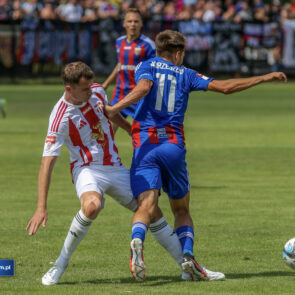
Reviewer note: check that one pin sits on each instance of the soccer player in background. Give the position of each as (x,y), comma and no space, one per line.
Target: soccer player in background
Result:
(78,121)
(163,87)
(132,48)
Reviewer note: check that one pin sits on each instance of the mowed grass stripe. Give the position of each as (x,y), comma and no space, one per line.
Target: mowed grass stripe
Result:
(240,154)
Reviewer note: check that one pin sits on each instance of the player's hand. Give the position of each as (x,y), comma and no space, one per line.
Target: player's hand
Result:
(275,76)
(109,112)
(40,217)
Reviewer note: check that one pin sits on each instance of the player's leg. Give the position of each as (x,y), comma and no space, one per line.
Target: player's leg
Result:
(92,201)
(166,236)
(163,233)
(147,206)
(185,231)
(176,185)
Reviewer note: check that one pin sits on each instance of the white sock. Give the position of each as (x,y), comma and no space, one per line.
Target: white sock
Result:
(78,230)
(167,238)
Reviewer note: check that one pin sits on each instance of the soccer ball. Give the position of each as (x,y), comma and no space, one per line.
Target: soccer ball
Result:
(289,253)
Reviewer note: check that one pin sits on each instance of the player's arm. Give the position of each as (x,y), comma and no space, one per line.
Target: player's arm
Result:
(40,215)
(111,77)
(234,85)
(142,88)
(119,120)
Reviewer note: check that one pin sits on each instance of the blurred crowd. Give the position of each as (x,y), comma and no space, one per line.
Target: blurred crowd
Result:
(203,10)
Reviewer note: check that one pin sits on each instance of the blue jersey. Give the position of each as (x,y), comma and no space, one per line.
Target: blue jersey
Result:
(160,114)
(129,55)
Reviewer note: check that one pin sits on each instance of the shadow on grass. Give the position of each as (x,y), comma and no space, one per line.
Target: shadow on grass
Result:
(150,281)
(233,276)
(207,187)
(163,280)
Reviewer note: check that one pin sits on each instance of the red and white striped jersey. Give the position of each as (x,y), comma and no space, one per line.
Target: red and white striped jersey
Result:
(84,129)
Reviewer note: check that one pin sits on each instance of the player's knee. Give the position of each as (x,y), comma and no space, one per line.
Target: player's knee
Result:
(148,208)
(92,207)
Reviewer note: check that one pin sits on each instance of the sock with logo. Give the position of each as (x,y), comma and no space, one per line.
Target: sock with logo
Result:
(78,230)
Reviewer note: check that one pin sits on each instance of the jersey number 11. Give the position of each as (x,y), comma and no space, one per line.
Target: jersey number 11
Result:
(171,97)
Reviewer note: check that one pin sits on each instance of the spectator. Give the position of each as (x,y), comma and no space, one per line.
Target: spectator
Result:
(210,12)
(17,12)
(108,10)
(47,11)
(275,14)
(89,11)
(5,10)
(169,12)
(244,14)
(229,13)
(143,8)
(71,11)
(185,14)
(199,9)
(156,10)
(292,9)
(29,8)
(260,14)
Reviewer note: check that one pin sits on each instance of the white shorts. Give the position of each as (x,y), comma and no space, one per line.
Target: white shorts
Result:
(114,181)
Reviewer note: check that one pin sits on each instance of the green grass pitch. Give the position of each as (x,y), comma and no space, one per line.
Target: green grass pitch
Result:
(241,158)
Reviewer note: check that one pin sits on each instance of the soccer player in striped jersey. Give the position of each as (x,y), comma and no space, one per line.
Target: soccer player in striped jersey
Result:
(78,121)
(132,49)
(163,87)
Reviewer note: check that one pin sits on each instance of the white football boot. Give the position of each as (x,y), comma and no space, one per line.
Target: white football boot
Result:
(198,272)
(136,263)
(53,275)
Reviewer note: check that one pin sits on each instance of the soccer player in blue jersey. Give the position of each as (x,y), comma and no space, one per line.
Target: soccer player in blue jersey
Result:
(132,49)
(163,87)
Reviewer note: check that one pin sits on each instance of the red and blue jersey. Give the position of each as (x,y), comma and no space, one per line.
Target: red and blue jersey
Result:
(160,114)
(129,55)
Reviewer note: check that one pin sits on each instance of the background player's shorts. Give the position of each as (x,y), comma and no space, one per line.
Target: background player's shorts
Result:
(129,111)
(114,181)
(160,165)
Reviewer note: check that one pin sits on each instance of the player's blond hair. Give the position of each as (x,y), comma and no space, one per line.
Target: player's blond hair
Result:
(132,10)
(168,41)
(73,72)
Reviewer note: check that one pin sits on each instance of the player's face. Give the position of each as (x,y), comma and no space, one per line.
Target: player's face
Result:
(80,92)
(132,24)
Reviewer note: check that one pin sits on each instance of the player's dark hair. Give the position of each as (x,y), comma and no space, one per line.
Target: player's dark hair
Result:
(168,41)
(132,10)
(73,72)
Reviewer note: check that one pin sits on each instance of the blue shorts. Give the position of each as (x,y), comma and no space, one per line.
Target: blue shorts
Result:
(160,165)
(129,111)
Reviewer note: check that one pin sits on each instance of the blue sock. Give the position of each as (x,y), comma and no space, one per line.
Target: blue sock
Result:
(138,231)
(186,237)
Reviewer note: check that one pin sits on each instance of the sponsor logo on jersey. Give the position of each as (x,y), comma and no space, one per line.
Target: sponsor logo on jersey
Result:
(127,67)
(137,50)
(97,133)
(162,133)
(202,76)
(82,124)
(127,47)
